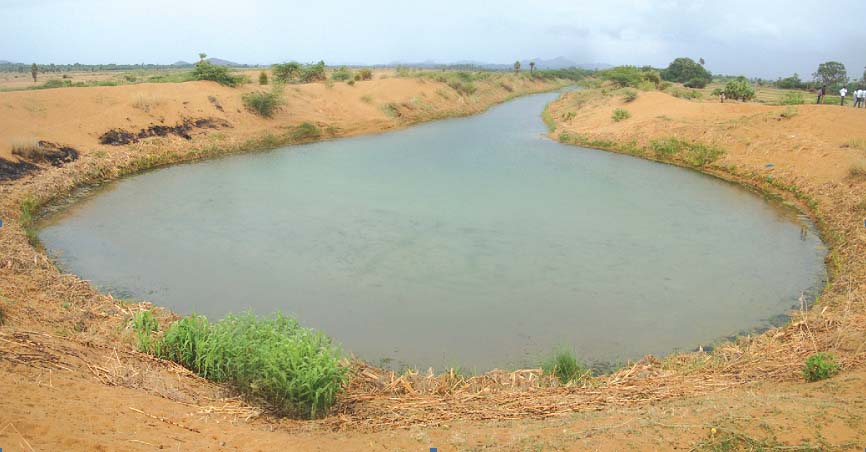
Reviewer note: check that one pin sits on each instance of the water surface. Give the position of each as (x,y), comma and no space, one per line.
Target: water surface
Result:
(473,242)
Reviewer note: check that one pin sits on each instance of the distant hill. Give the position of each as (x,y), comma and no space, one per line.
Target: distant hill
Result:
(540,63)
(6,62)
(181,63)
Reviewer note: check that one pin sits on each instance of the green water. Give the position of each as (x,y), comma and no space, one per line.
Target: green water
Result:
(472,242)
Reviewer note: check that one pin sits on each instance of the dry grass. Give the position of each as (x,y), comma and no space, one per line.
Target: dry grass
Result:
(29,148)
(145,102)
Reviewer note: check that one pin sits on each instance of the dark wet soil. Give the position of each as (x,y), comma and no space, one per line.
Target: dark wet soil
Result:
(120,137)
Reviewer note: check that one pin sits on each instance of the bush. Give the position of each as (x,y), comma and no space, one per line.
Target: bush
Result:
(686,93)
(204,70)
(740,88)
(620,114)
(263,78)
(306,131)
(364,74)
(699,83)
(793,99)
(295,369)
(313,73)
(287,72)
(820,366)
(623,76)
(342,74)
(262,103)
(565,367)
(629,96)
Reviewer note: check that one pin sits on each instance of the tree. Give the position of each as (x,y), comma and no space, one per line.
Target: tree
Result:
(831,74)
(792,82)
(263,78)
(516,67)
(531,66)
(33,70)
(739,88)
(682,70)
(202,56)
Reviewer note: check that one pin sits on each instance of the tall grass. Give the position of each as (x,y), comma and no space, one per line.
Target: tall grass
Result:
(296,370)
(695,154)
(28,205)
(563,364)
(620,114)
(263,103)
(144,324)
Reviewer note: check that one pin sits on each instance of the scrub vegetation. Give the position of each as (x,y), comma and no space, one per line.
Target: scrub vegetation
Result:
(563,365)
(820,366)
(263,103)
(296,370)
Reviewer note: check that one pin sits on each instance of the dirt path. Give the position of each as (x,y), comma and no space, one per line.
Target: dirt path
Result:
(72,380)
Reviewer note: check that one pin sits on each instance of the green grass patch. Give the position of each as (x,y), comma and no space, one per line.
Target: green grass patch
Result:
(306,131)
(263,103)
(820,366)
(144,324)
(29,204)
(390,110)
(564,365)
(296,370)
(620,114)
(629,96)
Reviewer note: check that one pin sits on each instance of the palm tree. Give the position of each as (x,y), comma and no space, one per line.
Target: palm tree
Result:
(531,66)
(517,66)
(33,70)
(201,57)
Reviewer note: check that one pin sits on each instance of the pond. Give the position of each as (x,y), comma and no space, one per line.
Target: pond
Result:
(475,242)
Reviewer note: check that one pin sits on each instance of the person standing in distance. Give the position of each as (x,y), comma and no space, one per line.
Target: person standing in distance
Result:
(842,93)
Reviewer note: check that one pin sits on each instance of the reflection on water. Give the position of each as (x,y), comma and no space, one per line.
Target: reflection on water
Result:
(472,242)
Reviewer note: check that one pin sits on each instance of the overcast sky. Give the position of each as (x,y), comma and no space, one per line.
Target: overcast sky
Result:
(753,37)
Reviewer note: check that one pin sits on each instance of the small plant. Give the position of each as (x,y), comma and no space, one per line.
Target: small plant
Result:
(697,82)
(793,98)
(565,367)
(205,70)
(548,119)
(820,366)
(306,131)
(620,114)
(29,204)
(699,154)
(788,113)
(262,103)
(740,88)
(343,74)
(351,82)
(144,324)
(564,137)
(629,95)
(287,72)
(364,74)
(858,169)
(263,78)
(367,99)
(390,110)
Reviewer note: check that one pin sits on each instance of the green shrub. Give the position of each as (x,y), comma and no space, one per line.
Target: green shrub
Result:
(740,88)
(313,73)
(793,98)
(564,137)
(263,103)
(306,131)
(623,76)
(204,70)
(351,82)
(144,324)
(695,154)
(287,72)
(342,74)
(629,95)
(820,366)
(699,154)
(620,114)
(564,366)
(29,205)
(699,83)
(263,78)
(364,74)
(295,369)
